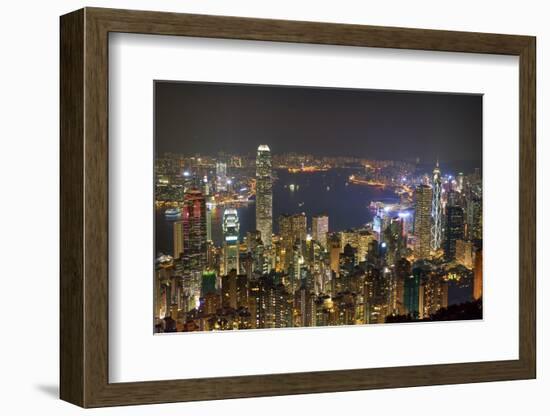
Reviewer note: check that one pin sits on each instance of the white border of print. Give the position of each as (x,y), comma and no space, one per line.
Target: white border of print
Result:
(136,355)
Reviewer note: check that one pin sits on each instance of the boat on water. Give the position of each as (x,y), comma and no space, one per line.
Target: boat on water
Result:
(172,213)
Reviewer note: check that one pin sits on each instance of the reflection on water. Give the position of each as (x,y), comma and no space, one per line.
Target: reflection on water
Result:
(313,193)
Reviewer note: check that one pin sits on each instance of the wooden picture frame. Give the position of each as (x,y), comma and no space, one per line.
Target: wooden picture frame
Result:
(84,207)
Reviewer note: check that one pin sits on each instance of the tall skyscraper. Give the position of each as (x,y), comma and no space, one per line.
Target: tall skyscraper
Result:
(264,194)
(230,227)
(208,224)
(454,229)
(474,217)
(178,239)
(434,295)
(194,227)
(422,220)
(411,295)
(293,228)
(365,239)
(394,240)
(320,229)
(221,176)
(334,254)
(436,209)
(460,182)
(299,227)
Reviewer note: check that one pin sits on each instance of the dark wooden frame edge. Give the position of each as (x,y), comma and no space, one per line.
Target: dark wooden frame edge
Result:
(84,207)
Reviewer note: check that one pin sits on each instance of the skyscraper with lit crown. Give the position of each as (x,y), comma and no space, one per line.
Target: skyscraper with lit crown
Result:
(264,194)
(230,228)
(436,209)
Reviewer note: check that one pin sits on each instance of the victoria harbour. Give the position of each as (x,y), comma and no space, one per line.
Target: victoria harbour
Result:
(347,205)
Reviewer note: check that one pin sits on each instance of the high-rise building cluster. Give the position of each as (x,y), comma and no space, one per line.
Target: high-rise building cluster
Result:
(409,263)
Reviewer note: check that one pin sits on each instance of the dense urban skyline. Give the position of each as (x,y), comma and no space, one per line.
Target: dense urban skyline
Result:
(293,232)
(377,124)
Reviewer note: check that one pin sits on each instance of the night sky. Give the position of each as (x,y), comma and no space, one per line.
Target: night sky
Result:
(206,118)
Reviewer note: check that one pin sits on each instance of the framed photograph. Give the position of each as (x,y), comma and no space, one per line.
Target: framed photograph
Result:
(263,207)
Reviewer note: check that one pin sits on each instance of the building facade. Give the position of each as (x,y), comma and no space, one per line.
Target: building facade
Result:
(264,195)
(422,221)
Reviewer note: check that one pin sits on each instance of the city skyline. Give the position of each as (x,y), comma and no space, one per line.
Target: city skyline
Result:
(262,237)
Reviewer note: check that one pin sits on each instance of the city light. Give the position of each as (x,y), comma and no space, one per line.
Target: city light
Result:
(240,267)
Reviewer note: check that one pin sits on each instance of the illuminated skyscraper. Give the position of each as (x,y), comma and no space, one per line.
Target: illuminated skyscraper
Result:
(320,229)
(334,254)
(474,218)
(221,176)
(365,239)
(293,228)
(194,227)
(230,228)
(255,247)
(208,224)
(264,194)
(433,295)
(178,239)
(454,229)
(287,240)
(436,209)
(422,220)
(394,240)
(299,227)
(460,182)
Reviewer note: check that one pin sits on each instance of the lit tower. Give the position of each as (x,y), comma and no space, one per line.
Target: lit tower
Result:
(221,176)
(435,241)
(230,228)
(422,220)
(320,229)
(264,195)
(460,182)
(194,228)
